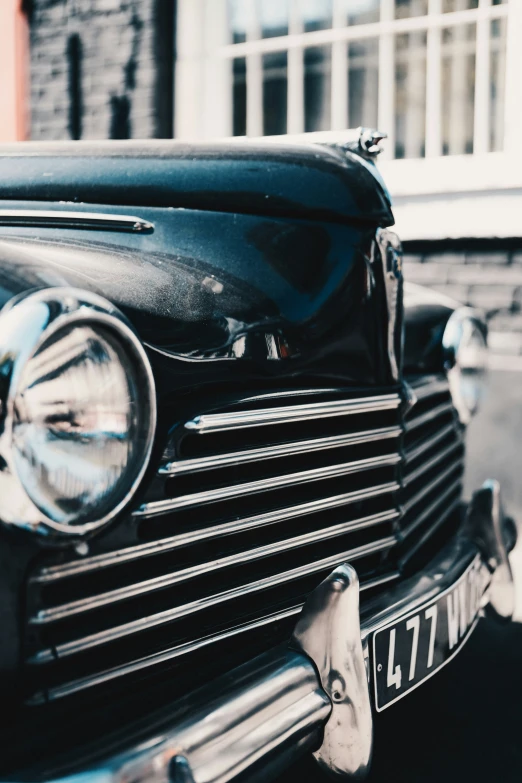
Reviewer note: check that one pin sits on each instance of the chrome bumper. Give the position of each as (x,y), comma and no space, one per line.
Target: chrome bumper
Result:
(313,696)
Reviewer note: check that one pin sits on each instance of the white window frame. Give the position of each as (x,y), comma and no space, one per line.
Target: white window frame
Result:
(204,69)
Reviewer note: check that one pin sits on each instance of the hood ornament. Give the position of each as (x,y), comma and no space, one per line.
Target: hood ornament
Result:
(366,143)
(370,141)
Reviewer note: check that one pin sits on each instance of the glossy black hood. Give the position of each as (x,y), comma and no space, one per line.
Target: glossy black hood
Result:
(224,297)
(261,267)
(313,181)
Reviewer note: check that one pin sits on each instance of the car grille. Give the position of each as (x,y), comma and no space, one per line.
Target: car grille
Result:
(252,506)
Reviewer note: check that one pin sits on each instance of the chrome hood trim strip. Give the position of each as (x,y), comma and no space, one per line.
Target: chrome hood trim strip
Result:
(161,618)
(102,221)
(199,464)
(413,422)
(57,572)
(157,507)
(431,508)
(239,558)
(184,649)
(413,475)
(428,387)
(425,490)
(222,422)
(416,451)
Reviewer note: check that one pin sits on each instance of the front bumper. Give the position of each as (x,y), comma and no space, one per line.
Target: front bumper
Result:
(314,695)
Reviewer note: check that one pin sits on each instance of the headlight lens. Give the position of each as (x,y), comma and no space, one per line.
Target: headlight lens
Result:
(465,357)
(80,411)
(76,425)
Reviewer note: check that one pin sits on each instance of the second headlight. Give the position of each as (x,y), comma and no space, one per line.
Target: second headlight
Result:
(465,350)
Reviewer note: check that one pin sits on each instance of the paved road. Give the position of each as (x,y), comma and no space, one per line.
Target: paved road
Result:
(465,724)
(494,440)
(494,450)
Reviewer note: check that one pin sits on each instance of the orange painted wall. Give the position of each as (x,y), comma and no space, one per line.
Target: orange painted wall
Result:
(14,53)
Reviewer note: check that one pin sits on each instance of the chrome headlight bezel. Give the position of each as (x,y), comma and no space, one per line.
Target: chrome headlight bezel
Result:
(465,326)
(27,322)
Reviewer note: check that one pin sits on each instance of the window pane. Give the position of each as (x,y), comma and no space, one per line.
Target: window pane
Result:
(273,17)
(458,5)
(497,82)
(360,11)
(458,89)
(317,87)
(275,90)
(316,14)
(239,20)
(405,8)
(239,97)
(363,82)
(410,95)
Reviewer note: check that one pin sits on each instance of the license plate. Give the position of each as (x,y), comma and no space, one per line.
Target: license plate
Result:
(410,650)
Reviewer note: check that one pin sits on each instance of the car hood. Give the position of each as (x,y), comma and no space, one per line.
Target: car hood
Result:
(312,181)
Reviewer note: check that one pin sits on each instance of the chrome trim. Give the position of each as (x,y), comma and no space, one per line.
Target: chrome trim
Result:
(175,652)
(165,655)
(275,395)
(442,572)
(289,704)
(425,490)
(169,615)
(346,749)
(198,464)
(430,531)
(111,597)
(83,220)
(413,475)
(418,421)
(416,451)
(276,708)
(156,507)
(406,530)
(390,251)
(429,387)
(222,422)
(26,321)
(485,522)
(369,144)
(63,571)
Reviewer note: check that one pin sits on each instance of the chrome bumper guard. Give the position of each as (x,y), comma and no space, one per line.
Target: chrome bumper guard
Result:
(315,695)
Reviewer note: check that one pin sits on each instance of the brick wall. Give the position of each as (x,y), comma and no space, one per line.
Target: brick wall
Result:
(101,68)
(489,278)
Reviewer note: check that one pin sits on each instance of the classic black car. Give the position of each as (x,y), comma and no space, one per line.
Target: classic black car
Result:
(231,461)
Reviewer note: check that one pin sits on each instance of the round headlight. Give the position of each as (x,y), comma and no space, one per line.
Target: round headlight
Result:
(465,358)
(80,412)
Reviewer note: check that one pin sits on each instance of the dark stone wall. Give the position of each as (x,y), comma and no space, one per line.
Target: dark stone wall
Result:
(101,68)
